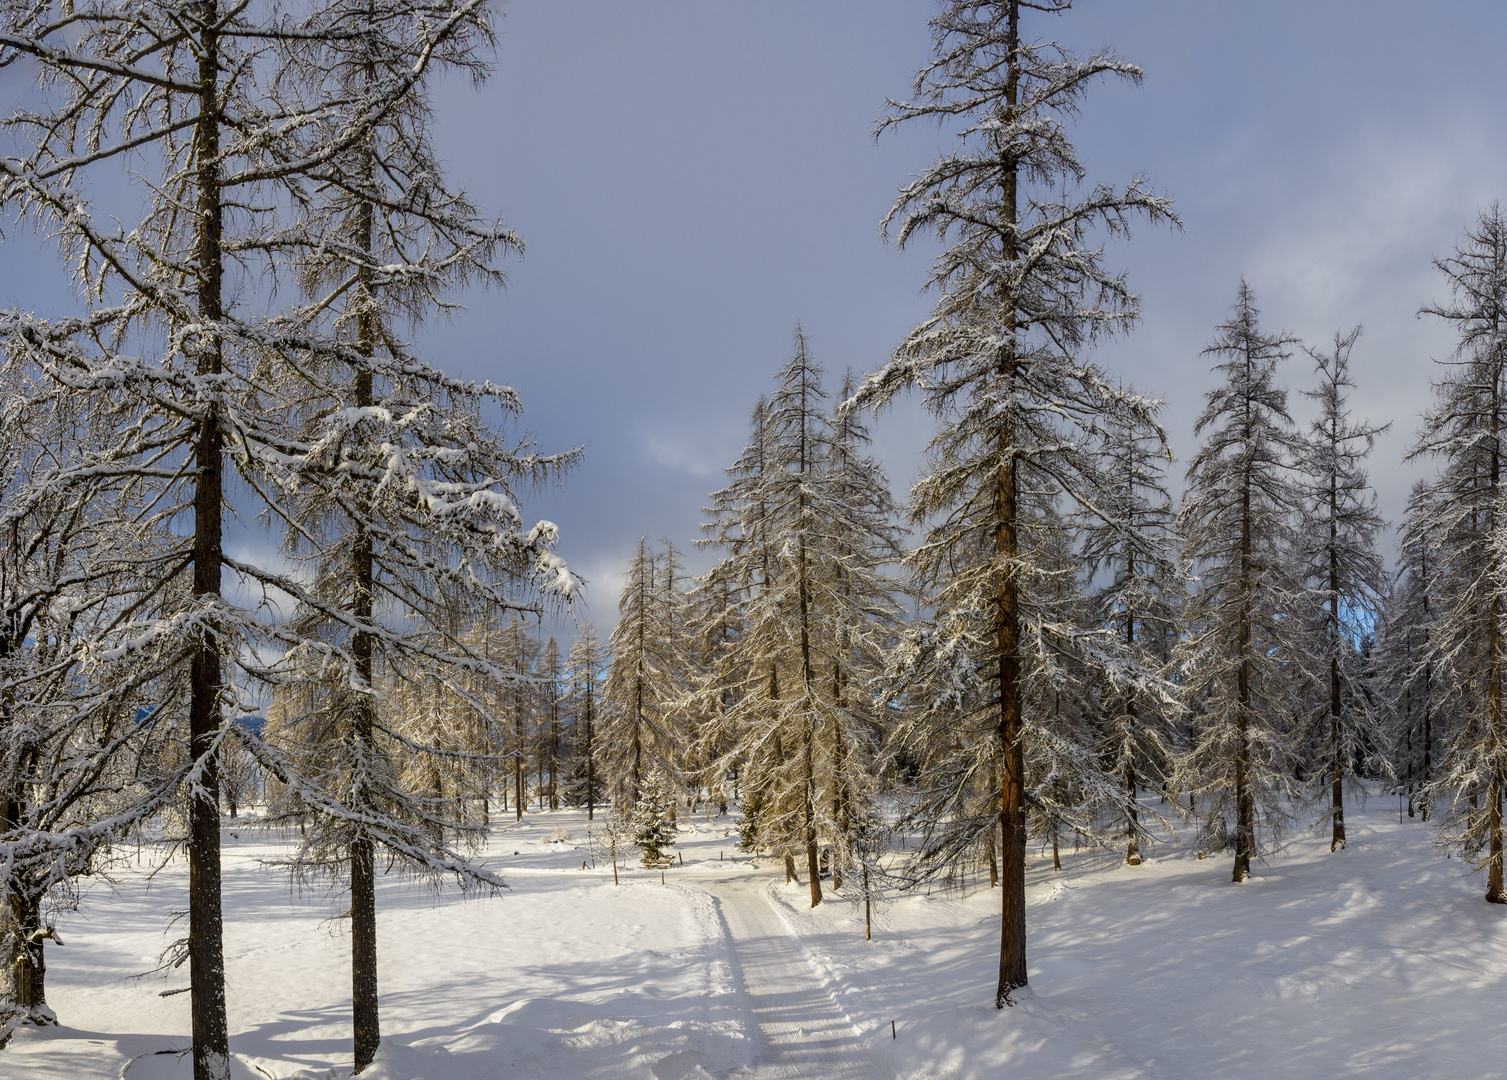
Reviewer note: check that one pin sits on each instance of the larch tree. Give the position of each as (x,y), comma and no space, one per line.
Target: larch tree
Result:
(812,631)
(1129,550)
(237,135)
(76,767)
(1242,639)
(1336,548)
(737,524)
(858,607)
(583,681)
(1023,288)
(550,675)
(1462,518)
(643,676)
(421,524)
(1404,632)
(715,626)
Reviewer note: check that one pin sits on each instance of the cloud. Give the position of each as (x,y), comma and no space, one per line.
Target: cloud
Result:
(687,452)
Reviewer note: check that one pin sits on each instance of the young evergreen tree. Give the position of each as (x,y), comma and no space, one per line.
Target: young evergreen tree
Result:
(1463,521)
(1336,548)
(1022,287)
(1241,638)
(654,820)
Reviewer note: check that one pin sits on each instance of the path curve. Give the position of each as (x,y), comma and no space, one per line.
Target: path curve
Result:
(804,1034)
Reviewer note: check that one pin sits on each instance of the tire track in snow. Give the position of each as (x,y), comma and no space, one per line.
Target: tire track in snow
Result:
(804,1034)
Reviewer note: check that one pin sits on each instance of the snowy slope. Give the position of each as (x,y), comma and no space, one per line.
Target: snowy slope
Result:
(1380,961)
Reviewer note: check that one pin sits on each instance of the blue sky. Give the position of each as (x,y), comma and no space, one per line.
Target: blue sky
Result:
(690,178)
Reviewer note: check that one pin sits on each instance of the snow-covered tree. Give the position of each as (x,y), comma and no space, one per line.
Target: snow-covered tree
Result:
(76,767)
(1408,687)
(1336,549)
(1129,549)
(1022,288)
(714,624)
(654,819)
(644,680)
(242,124)
(1241,635)
(858,609)
(1461,519)
(548,754)
(583,680)
(737,524)
(814,527)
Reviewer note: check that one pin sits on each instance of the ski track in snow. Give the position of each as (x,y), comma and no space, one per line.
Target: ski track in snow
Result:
(801,1031)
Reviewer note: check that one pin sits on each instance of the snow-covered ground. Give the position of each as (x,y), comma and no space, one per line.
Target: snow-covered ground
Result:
(1381,961)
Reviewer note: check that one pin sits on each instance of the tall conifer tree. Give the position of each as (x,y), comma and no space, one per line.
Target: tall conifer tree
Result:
(1022,287)
(1241,638)
(1463,519)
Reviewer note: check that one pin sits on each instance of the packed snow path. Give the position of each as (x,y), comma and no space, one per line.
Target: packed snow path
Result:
(804,1033)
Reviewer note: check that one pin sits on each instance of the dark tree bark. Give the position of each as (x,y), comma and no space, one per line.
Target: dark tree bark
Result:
(1337,794)
(364,1012)
(1012,811)
(211,1045)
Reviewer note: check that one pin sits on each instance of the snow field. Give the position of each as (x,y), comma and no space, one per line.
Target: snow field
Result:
(563,975)
(1379,961)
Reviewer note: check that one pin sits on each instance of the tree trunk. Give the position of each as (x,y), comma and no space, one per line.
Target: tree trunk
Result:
(868,933)
(1245,807)
(366,1021)
(1337,786)
(1012,811)
(1337,794)
(211,1044)
(1495,893)
(27,962)
(591,766)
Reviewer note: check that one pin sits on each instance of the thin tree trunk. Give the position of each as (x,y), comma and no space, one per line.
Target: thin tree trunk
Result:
(365,1018)
(1337,794)
(211,1044)
(591,774)
(1245,808)
(868,933)
(1495,893)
